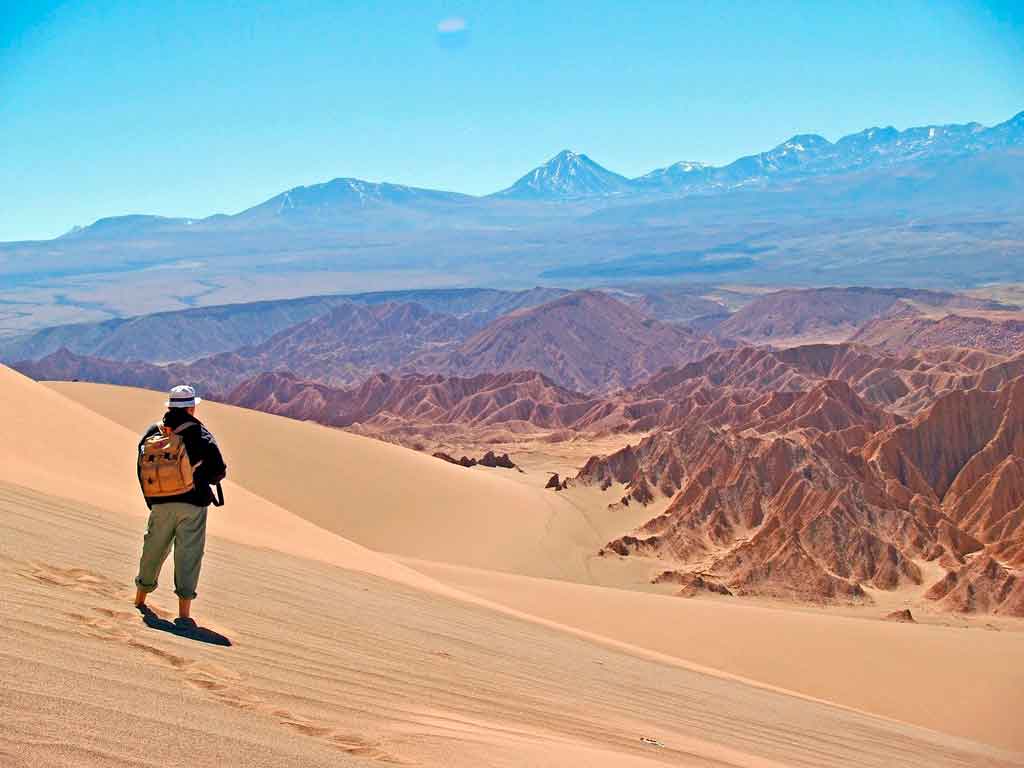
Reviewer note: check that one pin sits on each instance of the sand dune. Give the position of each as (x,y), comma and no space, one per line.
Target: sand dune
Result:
(934,678)
(77,454)
(334,667)
(965,682)
(384,497)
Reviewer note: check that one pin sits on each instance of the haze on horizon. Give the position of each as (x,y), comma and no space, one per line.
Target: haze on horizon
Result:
(192,110)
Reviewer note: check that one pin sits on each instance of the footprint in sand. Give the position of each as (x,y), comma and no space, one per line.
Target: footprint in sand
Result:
(101,628)
(360,747)
(223,685)
(178,662)
(211,679)
(347,742)
(303,726)
(122,616)
(77,579)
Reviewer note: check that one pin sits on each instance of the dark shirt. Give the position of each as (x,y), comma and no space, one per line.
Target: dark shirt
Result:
(200,446)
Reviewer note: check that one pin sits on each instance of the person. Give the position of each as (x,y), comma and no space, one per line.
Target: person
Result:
(180,519)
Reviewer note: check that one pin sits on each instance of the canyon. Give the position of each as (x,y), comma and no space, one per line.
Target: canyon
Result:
(778,462)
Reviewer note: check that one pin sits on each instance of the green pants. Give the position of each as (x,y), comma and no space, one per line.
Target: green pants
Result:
(183,525)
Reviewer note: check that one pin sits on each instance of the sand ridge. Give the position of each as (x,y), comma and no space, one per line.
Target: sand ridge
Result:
(383,496)
(88,459)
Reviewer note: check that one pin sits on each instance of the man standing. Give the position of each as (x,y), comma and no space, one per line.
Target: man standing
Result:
(178,462)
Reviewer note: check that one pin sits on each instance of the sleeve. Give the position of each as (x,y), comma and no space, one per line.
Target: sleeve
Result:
(214,469)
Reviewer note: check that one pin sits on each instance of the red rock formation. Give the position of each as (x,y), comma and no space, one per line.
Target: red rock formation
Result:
(904,616)
(384,401)
(728,386)
(586,341)
(692,584)
(814,472)
(63,365)
(982,586)
(829,314)
(810,496)
(911,330)
(966,453)
(341,347)
(489,459)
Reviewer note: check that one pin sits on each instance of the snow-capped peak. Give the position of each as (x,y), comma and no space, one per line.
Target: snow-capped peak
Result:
(567,174)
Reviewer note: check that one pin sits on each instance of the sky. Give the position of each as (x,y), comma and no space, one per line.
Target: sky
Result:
(193,108)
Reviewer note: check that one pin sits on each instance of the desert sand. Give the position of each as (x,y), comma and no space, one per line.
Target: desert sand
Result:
(341,654)
(383,496)
(965,682)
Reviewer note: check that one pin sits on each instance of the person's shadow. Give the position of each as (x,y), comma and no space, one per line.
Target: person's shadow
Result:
(189,630)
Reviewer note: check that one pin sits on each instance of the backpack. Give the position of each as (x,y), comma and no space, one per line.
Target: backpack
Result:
(164,466)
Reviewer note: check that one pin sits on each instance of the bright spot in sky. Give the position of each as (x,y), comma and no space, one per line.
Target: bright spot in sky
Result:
(450,25)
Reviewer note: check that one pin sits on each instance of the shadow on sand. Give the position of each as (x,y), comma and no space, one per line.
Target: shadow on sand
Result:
(193,632)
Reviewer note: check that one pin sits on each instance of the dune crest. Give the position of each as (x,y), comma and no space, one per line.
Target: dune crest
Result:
(88,458)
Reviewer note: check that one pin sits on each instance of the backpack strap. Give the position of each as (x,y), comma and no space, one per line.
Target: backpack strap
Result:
(181,428)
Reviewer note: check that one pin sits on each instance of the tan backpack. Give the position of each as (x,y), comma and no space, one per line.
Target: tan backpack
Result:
(164,467)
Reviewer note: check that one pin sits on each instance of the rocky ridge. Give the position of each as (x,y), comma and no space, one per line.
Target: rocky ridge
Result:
(823,496)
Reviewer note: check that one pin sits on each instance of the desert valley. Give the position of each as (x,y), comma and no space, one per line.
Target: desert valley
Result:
(808,496)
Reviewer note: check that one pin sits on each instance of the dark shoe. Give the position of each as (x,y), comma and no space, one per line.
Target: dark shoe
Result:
(187,625)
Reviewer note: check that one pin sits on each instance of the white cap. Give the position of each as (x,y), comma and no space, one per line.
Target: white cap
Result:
(183,396)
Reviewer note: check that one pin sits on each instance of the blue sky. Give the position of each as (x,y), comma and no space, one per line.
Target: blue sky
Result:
(192,108)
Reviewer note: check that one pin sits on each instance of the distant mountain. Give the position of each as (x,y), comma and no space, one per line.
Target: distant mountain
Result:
(678,176)
(871,207)
(586,341)
(812,155)
(346,345)
(798,155)
(342,198)
(341,348)
(190,334)
(170,336)
(566,175)
(1003,135)
(64,365)
(481,304)
(669,302)
(570,175)
(900,332)
(127,226)
(830,314)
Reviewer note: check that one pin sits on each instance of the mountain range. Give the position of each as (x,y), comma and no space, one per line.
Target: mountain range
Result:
(869,209)
(585,340)
(570,175)
(189,334)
